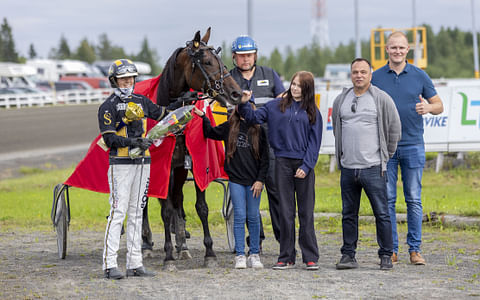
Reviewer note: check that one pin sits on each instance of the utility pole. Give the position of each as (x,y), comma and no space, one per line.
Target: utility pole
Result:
(358,49)
(416,38)
(475,43)
(249,18)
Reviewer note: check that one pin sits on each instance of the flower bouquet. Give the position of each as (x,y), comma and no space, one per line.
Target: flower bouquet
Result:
(173,123)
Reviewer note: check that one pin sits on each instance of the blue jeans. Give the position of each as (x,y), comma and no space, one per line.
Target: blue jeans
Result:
(373,182)
(411,159)
(245,206)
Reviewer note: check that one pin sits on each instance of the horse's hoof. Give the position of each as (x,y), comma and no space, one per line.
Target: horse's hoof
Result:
(147,253)
(210,262)
(184,254)
(169,266)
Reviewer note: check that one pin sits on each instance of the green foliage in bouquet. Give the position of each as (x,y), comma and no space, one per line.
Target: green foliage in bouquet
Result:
(173,123)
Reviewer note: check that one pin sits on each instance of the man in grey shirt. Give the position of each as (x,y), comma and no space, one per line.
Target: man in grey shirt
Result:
(367,129)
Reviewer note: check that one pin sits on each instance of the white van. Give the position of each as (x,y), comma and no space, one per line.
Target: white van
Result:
(17,75)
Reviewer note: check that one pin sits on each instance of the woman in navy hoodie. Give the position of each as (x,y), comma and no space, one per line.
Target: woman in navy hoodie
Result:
(295,134)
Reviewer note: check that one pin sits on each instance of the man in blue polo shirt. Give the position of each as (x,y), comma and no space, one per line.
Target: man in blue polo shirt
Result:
(409,86)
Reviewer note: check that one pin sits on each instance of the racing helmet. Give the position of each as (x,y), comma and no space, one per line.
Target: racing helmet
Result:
(244,44)
(121,68)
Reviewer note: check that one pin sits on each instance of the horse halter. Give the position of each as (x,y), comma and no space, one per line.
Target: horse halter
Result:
(196,57)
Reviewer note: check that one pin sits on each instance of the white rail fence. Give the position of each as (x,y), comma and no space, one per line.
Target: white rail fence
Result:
(53,98)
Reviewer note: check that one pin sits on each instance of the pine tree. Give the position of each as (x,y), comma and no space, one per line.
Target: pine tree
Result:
(226,56)
(7,44)
(86,52)
(31,52)
(276,61)
(149,56)
(63,51)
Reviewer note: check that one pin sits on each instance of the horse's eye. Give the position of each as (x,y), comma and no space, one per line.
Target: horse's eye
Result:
(207,62)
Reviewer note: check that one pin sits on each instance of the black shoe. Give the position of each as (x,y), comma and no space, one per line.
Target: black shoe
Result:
(312,266)
(347,262)
(140,272)
(283,265)
(113,273)
(386,262)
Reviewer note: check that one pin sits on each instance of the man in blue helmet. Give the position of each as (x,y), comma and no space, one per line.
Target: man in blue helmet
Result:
(265,85)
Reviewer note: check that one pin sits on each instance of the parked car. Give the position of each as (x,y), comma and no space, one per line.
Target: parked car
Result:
(94,82)
(20,90)
(71,85)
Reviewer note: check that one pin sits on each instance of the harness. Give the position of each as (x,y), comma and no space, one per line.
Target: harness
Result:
(196,57)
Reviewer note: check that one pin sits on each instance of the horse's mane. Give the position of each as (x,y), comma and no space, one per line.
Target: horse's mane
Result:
(167,79)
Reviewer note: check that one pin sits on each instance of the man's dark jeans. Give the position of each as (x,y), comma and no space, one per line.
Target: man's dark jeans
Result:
(352,181)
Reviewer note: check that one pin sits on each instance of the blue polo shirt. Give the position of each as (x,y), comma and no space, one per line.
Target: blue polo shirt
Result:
(404,89)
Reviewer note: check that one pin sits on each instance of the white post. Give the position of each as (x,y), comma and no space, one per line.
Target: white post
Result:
(333,164)
(439,164)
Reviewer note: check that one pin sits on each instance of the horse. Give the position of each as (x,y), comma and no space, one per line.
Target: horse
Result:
(196,66)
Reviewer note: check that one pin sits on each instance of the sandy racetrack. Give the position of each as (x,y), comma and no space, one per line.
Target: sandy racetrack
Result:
(30,269)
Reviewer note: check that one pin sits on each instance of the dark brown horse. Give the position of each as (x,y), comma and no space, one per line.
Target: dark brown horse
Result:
(199,67)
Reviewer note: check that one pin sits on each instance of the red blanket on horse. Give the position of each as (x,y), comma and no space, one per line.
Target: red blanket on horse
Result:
(207,155)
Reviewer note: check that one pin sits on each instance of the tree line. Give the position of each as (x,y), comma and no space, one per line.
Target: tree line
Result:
(450,53)
(86,51)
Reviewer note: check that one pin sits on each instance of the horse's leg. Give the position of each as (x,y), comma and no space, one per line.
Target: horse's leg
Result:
(147,245)
(180,176)
(202,211)
(167,216)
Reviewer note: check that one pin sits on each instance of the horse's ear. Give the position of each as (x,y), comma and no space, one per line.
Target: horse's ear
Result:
(196,40)
(206,37)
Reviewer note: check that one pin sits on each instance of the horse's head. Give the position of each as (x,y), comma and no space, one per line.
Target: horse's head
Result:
(204,71)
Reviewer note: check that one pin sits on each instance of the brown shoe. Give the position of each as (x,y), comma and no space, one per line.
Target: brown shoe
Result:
(394,258)
(416,259)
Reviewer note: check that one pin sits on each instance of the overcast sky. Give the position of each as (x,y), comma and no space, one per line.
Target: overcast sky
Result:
(169,23)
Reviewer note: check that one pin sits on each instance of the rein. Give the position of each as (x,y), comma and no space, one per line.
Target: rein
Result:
(196,57)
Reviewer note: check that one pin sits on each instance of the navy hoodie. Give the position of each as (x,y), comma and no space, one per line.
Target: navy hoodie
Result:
(290,133)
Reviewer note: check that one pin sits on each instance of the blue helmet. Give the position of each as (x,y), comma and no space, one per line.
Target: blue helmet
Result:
(244,44)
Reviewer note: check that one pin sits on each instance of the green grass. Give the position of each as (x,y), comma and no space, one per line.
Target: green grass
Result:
(26,202)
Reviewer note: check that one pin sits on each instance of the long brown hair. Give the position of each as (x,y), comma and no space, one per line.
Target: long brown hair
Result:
(307,84)
(253,135)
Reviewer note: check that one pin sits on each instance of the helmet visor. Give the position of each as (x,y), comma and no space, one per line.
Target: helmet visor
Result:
(125,69)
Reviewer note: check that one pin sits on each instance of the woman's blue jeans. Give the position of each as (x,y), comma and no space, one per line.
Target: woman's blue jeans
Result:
(411,159)
(245,206)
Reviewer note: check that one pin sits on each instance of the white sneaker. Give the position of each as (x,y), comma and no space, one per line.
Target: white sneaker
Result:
(240,262)
(254,261)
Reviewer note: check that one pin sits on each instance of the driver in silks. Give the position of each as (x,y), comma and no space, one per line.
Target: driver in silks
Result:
(122,121)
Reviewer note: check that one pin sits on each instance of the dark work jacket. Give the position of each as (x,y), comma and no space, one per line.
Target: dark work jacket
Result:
(265,84)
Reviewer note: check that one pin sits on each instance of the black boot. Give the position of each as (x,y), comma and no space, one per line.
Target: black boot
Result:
(113,273)
(140,272)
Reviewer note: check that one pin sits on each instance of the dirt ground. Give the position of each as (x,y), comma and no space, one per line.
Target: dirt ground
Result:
(30,269)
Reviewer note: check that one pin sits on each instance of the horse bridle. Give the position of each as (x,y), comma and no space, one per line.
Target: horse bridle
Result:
(196,57)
